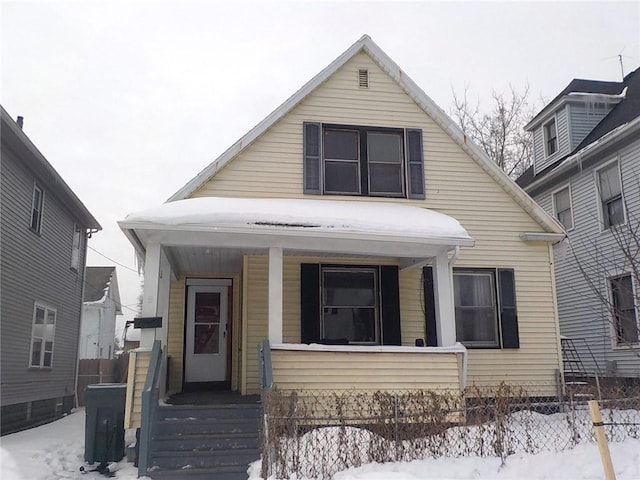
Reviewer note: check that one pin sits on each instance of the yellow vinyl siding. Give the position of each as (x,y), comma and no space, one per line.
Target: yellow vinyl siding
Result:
(135,386)
(455,185)
(312,370)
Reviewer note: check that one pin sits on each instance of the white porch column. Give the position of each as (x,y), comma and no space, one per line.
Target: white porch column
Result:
(443,293)
(150,291)
(275,294)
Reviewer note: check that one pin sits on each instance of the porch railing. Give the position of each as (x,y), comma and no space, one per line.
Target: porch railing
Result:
(264,364)
(150,397)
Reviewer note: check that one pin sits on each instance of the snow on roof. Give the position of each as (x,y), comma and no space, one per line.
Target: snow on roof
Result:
(370,218)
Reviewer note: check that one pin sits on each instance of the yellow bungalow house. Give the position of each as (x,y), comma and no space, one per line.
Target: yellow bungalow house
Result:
(359,231)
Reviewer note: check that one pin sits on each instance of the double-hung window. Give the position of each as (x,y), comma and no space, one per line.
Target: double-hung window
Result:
(624,310)
(550,137)
(37,203)
(562,207)
(42,336)
(350,305)
(367,161)
(610,194)
(485,307)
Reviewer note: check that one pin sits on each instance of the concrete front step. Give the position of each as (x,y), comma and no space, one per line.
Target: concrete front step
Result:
(219,473)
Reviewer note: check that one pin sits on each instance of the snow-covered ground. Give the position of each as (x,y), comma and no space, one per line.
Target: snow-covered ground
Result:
(55,451)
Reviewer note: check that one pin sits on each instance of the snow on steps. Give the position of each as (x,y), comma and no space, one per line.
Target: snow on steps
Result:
(198,442)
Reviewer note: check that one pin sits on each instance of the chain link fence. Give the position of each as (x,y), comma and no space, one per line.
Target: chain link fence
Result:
(315,434)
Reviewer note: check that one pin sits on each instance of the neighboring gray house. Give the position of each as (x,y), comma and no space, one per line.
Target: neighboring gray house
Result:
(586,173)
(101,305)
(43,239)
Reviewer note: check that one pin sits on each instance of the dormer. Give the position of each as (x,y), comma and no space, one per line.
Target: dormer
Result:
(560,127)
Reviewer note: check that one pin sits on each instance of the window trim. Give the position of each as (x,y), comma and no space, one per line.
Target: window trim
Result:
(75,247)
(364,182)
(496,306)
(47,308)
(377,295)
(545,137)
(599,201)
(508,336)
(38,228)
(611,315)
(555,210)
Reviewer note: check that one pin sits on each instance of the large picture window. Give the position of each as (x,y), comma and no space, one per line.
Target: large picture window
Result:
(624,310)
(485,307)
(357,160)
(350,305)
(610,192)
(42,337)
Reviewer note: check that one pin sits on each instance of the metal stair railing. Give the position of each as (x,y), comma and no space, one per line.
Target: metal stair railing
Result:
(150,397)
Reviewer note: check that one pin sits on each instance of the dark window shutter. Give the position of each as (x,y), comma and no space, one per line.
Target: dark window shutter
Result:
(310,303)
(508,312)
(429,307)
(390,298)
(415,163)
(311,152)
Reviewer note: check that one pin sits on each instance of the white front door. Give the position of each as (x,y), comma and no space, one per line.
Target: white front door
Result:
(206,334)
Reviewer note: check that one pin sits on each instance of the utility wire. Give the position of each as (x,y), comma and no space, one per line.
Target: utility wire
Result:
(112,260)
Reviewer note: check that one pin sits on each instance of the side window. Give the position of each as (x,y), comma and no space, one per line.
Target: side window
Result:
(610,195)
(485,307)
(550,138)
(75,250)
(562,207)
(37,204)
(42,337)
(624,310)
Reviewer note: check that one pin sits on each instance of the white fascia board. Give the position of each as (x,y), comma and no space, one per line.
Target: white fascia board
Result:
(588,151)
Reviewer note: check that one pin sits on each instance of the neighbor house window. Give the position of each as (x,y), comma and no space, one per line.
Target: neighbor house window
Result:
(75,250)
(356,160)
(485,308)
(37,203)
(42,336)
(562,207)
(550,137)
(624,310)
(610,192)
(350,305)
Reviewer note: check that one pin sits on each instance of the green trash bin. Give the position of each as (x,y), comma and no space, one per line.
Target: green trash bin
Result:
(104,423)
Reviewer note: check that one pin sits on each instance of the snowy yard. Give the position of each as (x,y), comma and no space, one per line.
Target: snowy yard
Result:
(55,451)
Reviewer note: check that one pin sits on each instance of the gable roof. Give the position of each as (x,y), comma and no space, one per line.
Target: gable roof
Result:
(98,281)
(368,46)
(29,154)
(621,120)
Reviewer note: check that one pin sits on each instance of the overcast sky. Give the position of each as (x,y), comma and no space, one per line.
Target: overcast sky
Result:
(130,100)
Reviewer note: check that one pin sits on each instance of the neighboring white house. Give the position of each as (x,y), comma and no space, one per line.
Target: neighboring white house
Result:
(101,305)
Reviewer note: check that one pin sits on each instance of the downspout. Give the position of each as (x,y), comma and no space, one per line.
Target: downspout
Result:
(454,257)
(87,235)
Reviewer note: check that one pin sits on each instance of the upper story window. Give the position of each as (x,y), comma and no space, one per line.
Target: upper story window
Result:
(562,207)
(37,204)
(624,310)
(42,336)
(75,249)
(550,138)
(485,307)
(367,161)
(610,194)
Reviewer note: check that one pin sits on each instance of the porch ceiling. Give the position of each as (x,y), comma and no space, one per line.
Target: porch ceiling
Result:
(209,234)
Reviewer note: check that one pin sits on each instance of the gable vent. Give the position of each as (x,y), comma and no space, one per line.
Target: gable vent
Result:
(363,78)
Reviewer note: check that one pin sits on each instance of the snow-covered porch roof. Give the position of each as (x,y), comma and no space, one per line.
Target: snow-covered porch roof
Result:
(218,229)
